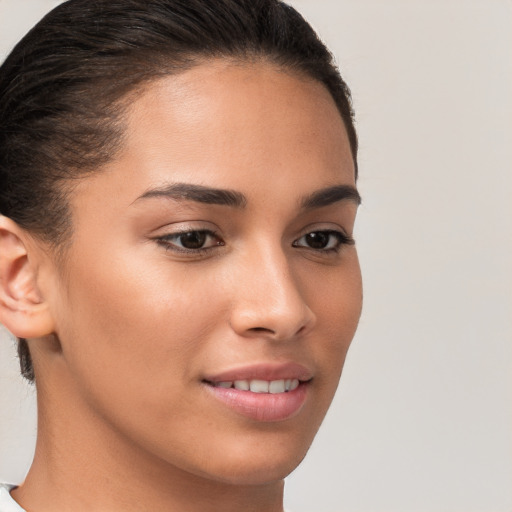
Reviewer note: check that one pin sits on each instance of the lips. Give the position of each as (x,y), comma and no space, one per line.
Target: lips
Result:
(266,392)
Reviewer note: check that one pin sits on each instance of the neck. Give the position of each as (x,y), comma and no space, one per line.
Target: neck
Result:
(83,464)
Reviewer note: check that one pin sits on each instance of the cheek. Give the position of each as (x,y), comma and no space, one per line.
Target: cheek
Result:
(337,306)
(336,295)
(132,322)
(131,346)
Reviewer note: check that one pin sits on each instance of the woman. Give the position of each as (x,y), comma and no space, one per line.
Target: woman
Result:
(177,199)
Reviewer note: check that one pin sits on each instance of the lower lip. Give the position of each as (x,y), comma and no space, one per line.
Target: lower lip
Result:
(263,407)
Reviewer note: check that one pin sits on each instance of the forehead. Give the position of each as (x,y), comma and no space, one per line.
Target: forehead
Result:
(231,125)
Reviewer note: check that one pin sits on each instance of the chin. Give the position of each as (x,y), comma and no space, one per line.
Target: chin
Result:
(265,463)
(247,473)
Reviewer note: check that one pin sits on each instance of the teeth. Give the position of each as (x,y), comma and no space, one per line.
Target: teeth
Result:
(243,385)
(276,386)
(261,386)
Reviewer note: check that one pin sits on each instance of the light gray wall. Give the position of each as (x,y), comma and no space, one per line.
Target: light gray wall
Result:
(423,418)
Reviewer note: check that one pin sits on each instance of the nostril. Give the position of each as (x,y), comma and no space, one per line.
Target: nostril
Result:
(261,329)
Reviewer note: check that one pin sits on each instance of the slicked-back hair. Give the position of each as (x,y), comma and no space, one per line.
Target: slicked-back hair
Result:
(66,85)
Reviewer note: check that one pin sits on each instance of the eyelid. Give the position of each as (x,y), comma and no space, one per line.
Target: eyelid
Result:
(184,226)
(325,226)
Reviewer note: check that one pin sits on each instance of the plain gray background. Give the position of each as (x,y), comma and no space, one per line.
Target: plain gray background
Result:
(422,421)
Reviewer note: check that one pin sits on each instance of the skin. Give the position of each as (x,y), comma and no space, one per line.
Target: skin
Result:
(124,332)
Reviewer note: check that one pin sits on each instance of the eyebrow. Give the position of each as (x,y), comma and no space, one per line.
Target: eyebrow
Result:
(234,199)
(198,193)
(331,195)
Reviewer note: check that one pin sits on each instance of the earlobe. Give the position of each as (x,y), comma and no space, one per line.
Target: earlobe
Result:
(23,311)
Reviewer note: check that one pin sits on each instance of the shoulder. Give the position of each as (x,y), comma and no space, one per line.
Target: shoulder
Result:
(7,504)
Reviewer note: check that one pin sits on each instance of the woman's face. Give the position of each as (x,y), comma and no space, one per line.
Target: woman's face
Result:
(214,255)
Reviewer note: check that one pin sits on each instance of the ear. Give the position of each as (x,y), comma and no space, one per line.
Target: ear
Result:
(23,311)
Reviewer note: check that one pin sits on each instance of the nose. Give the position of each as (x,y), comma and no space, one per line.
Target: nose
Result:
(269,299)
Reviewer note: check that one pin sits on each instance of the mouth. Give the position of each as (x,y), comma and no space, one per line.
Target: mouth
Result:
(265,393)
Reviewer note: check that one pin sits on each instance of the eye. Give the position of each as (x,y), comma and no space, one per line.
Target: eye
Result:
(191,241)
(325,240)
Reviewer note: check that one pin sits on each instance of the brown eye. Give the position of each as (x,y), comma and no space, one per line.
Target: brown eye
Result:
(318,240)
(191,241)
(323,240)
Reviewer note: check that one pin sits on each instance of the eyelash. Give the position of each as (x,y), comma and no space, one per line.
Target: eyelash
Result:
(169,241)
(341,240)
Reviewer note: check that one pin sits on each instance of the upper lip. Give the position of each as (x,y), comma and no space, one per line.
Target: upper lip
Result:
(263,371)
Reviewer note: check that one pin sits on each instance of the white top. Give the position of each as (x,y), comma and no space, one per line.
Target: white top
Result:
(7,504)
